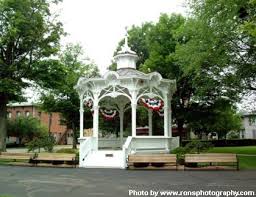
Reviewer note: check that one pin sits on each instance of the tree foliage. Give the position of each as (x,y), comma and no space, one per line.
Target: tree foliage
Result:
(204,82)
(60,96)
(29,34)
(25,128)
(46,142)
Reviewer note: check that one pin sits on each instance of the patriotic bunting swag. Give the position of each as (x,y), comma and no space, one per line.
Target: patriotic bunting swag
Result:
(108,114)
(89,104)
(153,104)
(161,112)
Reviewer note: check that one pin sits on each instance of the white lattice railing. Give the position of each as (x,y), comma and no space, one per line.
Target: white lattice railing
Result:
(111,143)
(87,145)
(127,149)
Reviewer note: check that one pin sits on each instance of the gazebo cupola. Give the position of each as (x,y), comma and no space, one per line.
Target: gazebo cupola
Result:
(126,58)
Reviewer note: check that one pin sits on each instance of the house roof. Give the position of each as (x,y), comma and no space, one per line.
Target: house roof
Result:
(21,104)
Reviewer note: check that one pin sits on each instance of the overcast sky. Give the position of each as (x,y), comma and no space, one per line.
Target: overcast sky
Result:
(98,25)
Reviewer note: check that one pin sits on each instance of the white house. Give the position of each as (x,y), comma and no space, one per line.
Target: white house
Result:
(249,125)
(117,91)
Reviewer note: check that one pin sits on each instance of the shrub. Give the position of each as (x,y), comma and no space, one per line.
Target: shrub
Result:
(191,147)
(46,142)
(197,146)
(221,143)
(25,128)
(232,135)
(180,152)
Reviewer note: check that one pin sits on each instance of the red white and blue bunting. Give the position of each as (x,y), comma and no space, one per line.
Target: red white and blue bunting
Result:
(108,114)
(161,112)
(89,104)
(153,104)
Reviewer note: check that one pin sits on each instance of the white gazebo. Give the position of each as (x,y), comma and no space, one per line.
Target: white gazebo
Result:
(118,90)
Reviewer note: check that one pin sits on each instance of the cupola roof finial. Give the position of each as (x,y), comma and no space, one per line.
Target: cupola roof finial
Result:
(126,38)
(126,58)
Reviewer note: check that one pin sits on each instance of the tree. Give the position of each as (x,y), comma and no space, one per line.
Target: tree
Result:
(137,42)
(221,117)
(61,96)
(25,128)
(219,41)
(29,34)
(224,29)
(200,83)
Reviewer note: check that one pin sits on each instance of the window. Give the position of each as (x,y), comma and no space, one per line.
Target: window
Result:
(27,113)
(254,134)
(9,114)
(18,114)
(252,121)
(242,134)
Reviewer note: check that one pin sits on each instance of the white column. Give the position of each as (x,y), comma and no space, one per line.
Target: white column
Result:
(121,116)
(150,122)
(170,119)
(81,117)
(95,120)
(134,108)
(166,118)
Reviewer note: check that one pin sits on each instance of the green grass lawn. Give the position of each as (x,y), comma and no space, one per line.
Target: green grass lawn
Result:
(235,149)
(245,162)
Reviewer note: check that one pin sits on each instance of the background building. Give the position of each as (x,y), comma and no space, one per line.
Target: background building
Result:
(52,121)
(249,125)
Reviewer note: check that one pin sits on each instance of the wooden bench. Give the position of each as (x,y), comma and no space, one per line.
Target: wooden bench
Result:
(152,160)
(16,156)
(54,157)
(225,159)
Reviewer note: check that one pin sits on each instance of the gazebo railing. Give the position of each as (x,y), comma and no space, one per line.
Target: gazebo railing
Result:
(87,145)
(127,149)
(112,143)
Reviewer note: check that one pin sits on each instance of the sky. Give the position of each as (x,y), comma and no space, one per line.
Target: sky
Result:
(98,25)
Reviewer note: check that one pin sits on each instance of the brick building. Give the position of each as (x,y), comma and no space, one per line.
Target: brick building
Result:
(52,121)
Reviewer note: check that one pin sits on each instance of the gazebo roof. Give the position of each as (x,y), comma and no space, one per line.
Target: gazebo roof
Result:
(130,72)
(126,80)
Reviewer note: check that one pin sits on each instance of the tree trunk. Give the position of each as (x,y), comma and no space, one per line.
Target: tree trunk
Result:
(50,123)
(74,136)
(3,128)
(180,124)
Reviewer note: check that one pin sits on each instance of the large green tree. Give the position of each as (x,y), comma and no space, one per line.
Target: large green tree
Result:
(29,33)
(201,84)
(231,25)
(60,96)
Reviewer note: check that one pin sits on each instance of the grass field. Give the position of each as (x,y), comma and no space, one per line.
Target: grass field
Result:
(246,155)
(251,150)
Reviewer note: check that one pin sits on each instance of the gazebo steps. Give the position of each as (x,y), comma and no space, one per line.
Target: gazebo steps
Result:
(104,159)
